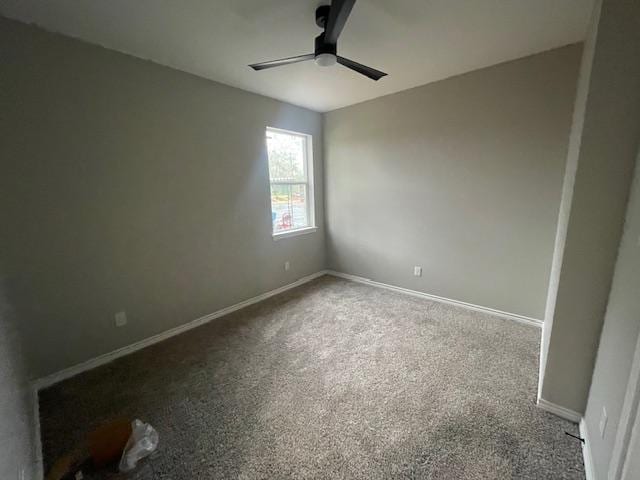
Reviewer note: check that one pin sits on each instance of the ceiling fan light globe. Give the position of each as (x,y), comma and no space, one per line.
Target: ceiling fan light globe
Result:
(326,59)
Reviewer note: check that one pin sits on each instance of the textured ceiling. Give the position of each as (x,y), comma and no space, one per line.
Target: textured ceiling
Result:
(415,41)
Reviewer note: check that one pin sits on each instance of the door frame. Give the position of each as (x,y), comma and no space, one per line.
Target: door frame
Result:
(628,417)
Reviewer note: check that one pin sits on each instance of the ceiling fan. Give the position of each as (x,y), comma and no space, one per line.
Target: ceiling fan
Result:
(332,19)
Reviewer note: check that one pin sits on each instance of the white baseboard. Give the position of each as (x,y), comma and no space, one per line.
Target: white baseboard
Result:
(589,472)
(562,412)
(61,375)
(56,377)
(469,306)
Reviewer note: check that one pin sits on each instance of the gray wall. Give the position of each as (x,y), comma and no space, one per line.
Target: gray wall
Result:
(601,163)
(16,428)
(129,186)
(618,340)
(462,177)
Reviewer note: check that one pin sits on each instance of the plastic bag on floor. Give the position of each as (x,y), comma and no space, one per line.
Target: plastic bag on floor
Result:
(142,442)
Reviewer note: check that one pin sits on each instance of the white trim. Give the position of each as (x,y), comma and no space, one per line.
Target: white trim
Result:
(288,132)
(589,472)
(562,412)
(39,465)
(469,306)
(294,233)
(543,355)
(56,377)
(72,371)
(630,410)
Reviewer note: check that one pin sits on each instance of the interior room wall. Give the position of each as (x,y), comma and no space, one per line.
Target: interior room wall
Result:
(129,186)
(462,177)
(17,444)
(617,342)
(601,163)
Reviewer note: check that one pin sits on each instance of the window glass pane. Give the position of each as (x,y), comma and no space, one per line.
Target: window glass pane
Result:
(289,207)
(299,206)
(286,157)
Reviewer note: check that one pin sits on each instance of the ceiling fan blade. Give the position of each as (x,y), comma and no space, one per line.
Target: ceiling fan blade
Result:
(372,73)
(338,14)
(282,61)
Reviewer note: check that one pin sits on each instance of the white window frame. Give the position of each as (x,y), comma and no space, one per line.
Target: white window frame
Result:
(308,168)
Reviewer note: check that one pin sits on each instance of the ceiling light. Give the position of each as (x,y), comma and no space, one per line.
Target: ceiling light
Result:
(326,59)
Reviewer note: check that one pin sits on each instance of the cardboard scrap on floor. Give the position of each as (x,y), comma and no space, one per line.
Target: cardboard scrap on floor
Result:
(103,448)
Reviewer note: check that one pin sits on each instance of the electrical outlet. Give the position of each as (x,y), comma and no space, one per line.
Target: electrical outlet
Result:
(603,422)
(121,319)
(287,266)
(417,271)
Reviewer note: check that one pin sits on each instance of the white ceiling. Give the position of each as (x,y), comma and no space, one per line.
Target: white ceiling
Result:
(414,41)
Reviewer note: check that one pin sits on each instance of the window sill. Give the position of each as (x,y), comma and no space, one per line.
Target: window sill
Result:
(294,233)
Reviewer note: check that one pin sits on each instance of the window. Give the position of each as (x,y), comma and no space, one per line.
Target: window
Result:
(291,179)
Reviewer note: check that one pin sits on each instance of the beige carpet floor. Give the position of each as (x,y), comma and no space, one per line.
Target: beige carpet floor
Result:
(331,380)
